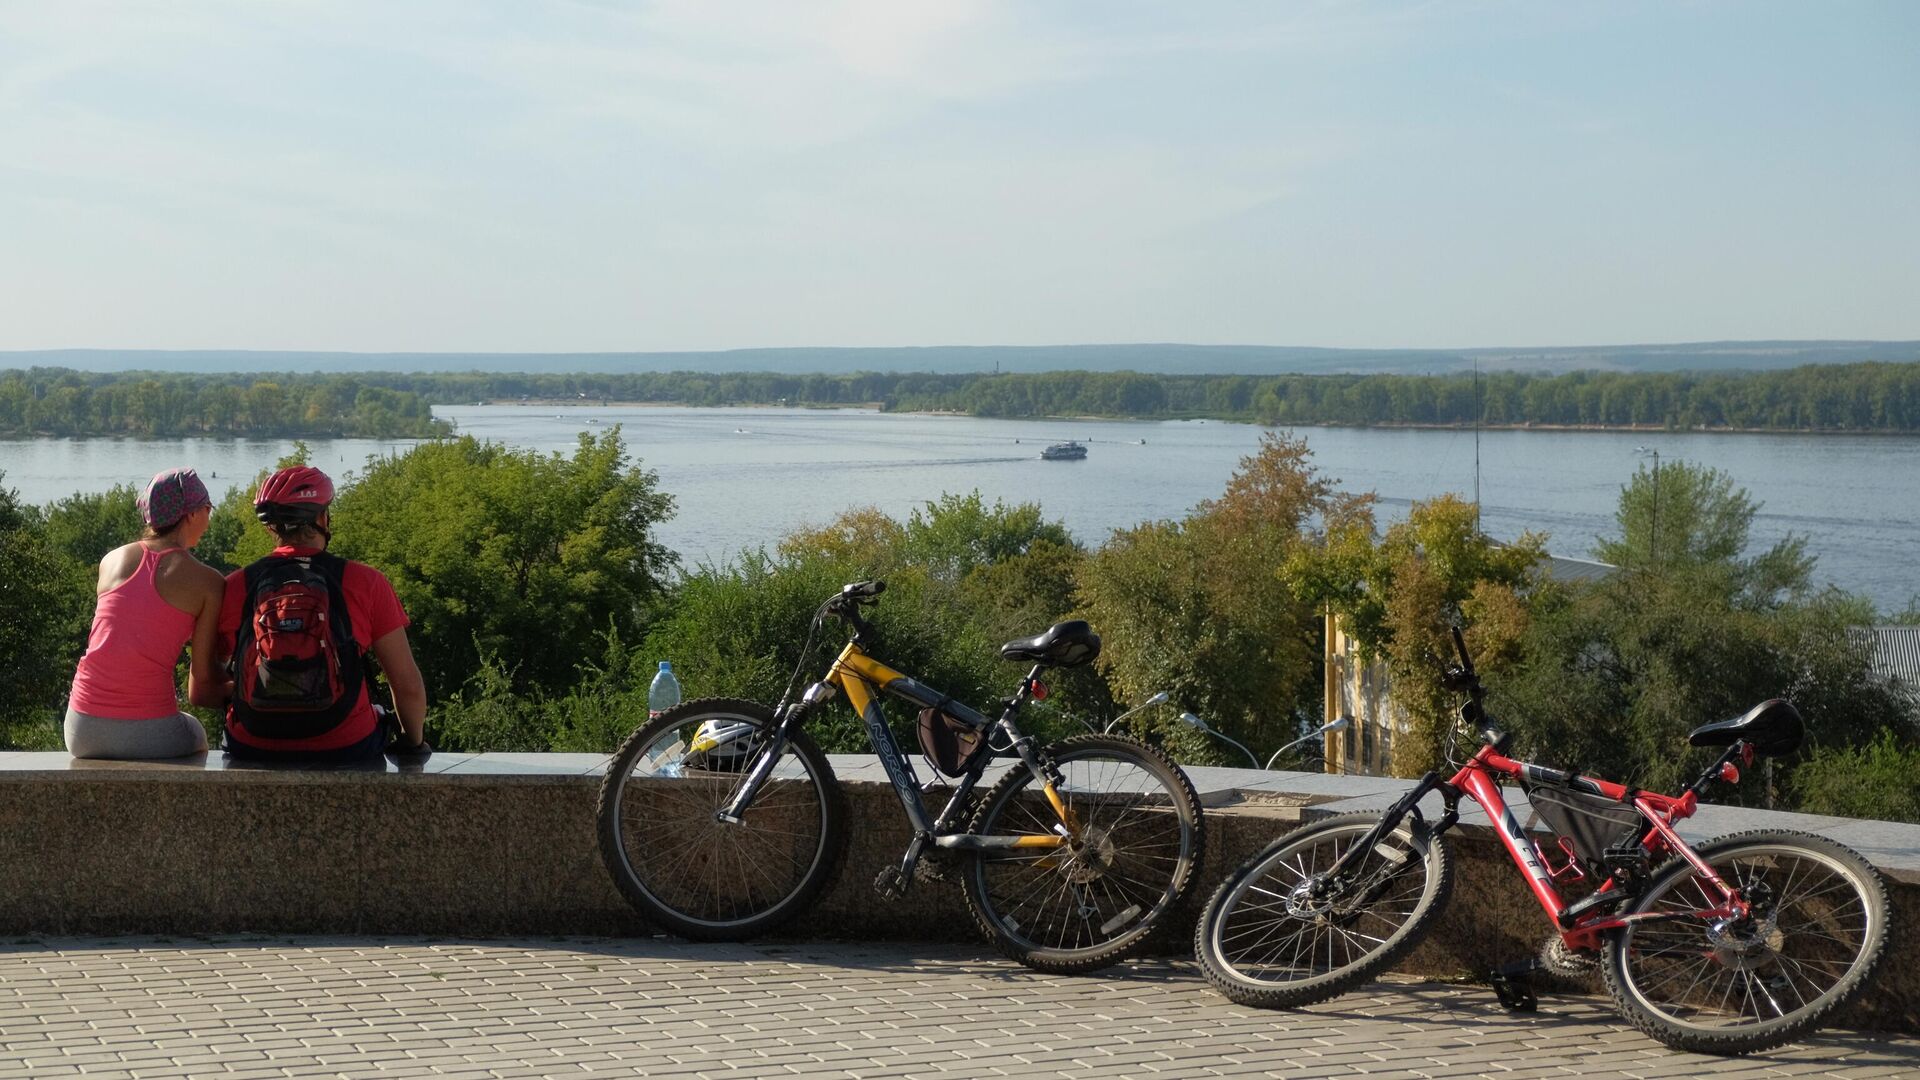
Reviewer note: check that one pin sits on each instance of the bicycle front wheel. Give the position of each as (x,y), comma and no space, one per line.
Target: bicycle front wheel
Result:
(681,866)
(1284,931)
(1094,900)
(1734,986)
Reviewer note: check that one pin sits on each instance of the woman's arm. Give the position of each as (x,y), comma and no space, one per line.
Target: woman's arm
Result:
(208,686)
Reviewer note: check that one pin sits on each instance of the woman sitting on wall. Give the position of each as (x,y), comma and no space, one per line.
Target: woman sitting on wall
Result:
(154,597)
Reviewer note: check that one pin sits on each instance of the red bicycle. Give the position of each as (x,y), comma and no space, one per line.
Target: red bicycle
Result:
(1732,946)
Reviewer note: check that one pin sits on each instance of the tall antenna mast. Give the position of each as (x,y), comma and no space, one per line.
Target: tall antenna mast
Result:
(1477,410)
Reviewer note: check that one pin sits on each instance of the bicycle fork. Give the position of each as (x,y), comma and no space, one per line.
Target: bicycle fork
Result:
(734,813)
(1389,822)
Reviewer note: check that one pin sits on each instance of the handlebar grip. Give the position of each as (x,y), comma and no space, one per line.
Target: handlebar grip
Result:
(864,589)
(1460,647)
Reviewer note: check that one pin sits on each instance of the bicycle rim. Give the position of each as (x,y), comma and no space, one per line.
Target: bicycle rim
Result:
(1281,932)
(696,874)
(1075,908)
(1702,983)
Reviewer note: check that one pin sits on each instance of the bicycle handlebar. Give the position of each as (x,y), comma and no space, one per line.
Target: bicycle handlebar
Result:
(1464,680)
(846,603)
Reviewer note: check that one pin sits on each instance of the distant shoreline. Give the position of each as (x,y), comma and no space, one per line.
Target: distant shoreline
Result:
(1876,399)
(875,406)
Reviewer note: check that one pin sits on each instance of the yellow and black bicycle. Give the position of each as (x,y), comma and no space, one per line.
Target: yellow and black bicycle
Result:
(721,819)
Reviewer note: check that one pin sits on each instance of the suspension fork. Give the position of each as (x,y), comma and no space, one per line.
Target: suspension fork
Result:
(1390,820)
(763,762)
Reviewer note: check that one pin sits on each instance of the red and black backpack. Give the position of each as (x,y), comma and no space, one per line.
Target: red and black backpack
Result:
(297,671)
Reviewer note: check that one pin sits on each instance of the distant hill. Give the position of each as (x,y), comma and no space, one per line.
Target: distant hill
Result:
(958,359)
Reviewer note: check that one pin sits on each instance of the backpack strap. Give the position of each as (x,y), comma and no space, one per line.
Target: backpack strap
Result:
(334,569)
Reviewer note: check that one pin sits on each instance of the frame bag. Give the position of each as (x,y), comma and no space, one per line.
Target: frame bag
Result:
(950,743)
(1593,824)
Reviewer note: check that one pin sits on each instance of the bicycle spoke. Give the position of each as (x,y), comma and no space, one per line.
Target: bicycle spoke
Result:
(696,867)
(1806,938)
(1129,855)
(1266,938)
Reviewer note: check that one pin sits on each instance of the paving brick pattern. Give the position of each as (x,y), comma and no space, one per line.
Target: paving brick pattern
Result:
(245,1008)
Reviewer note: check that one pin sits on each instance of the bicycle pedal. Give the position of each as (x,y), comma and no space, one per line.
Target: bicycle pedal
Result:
(890,883)
(1513,985)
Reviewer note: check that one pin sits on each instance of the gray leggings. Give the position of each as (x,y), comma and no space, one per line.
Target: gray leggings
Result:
(162,737)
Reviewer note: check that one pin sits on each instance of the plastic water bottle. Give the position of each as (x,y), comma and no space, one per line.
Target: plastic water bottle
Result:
(664,692)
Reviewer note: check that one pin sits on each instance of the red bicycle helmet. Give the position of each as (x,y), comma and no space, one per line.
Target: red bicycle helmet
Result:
(293,497)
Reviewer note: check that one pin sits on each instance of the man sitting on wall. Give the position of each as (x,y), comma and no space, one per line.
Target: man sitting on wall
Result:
(297,626)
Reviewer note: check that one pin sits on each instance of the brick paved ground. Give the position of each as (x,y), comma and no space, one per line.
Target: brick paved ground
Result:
(358,1007)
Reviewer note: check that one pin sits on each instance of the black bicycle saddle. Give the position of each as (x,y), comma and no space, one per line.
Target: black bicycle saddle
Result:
(1064,645)
(1773,727)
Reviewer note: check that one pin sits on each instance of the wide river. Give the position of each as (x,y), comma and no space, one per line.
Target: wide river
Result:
(742,478)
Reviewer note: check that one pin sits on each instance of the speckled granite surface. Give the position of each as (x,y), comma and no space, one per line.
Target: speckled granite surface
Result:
(498,844)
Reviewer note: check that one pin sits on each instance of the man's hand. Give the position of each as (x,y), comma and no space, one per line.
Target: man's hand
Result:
(405,753)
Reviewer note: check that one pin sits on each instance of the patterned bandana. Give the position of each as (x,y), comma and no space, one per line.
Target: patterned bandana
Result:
(171,496)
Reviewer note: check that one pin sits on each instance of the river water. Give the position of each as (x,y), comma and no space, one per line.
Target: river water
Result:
(742,478)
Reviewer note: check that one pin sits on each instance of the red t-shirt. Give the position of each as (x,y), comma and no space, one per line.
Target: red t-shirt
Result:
(375,612)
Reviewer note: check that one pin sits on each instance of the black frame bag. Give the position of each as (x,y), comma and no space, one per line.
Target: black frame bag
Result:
(949,742)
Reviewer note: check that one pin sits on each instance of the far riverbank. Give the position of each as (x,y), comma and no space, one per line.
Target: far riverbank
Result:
(1850,399)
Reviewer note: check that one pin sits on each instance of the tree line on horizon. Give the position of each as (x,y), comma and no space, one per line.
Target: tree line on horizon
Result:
(541,599)
(60,402)
(1864,397)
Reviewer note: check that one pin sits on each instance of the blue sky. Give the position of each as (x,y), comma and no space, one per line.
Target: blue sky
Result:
(578,176)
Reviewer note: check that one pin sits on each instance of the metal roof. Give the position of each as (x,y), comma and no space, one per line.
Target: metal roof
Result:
(1561,568)
(1896,653)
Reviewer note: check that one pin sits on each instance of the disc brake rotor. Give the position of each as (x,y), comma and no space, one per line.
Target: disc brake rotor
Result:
(1746,945)
(1093,859)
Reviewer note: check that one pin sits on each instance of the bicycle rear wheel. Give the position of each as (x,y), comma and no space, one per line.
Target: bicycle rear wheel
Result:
(1280,932)
(1720,986)
(689,872)
(1084,906)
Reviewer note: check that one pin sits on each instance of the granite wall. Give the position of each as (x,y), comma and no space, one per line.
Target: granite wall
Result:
(510,849)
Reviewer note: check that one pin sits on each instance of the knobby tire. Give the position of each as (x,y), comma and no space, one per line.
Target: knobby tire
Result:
(1696,985)
(1264,941)
(1065,911)
(686,872)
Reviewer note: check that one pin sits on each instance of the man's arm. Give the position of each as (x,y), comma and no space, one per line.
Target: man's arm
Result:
(409,689)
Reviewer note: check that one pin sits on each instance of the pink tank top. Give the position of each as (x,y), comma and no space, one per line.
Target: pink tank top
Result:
(127,673)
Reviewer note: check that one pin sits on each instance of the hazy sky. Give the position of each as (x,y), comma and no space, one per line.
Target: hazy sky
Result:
(466,175)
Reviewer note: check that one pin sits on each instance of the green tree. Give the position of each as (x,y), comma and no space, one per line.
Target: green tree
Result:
(1399,597)
(962,578)
(43,620)
(1615,677)
(1197,607)
(1615,674)
(497,552)
(85,527)
(1685,517)
(1879,779)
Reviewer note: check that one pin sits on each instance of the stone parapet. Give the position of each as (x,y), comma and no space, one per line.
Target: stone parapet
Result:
(504,844)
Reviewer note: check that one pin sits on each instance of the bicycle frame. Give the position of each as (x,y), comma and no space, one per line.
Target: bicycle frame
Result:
(1479,781)
(864,679)
(1580,925)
